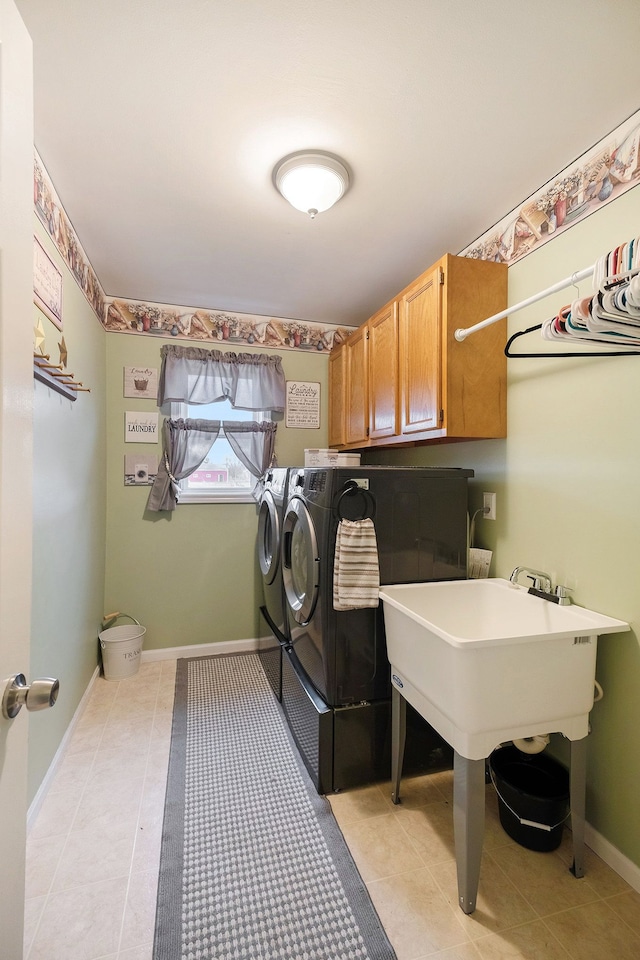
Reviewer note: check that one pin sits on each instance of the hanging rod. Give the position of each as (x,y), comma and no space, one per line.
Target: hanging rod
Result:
(463,332)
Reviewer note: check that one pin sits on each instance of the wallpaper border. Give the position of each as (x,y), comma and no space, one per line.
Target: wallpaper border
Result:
(222,328)
(54,219)
(598,176)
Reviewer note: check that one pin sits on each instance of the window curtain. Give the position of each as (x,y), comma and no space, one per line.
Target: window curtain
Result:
(186,443)
(253,444)
(195,375)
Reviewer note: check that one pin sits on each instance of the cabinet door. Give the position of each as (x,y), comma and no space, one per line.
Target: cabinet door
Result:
(357,395)
(337,395)
(420,352)
(383,372)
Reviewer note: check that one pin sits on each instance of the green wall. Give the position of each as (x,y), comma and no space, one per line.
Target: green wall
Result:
(567,480)
(191,576)
(69,497)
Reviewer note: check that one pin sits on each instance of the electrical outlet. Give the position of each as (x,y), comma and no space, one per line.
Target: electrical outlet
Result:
(489,506)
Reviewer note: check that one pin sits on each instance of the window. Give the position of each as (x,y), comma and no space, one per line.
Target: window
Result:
(221,477)
(251,382)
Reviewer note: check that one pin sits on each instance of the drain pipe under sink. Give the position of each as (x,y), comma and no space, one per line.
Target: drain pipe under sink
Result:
(532,744)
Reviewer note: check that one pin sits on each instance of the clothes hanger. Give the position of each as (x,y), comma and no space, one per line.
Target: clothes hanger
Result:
(538,326)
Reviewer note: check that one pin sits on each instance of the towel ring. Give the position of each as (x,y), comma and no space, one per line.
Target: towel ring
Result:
(351,489)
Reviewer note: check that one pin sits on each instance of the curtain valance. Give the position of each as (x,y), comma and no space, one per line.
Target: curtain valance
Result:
(251,381)
(186,443)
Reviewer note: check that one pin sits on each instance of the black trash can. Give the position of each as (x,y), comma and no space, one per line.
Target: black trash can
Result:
(533,788)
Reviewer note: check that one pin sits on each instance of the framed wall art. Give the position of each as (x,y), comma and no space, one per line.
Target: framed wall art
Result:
(141,382)
(47,284)
(140,469)
(140,427)
(303,404)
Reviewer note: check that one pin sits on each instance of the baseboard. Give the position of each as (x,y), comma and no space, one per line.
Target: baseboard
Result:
(203,649)
(38,800)
(624,867)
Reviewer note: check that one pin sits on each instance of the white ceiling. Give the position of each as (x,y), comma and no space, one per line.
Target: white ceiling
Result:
(160,122)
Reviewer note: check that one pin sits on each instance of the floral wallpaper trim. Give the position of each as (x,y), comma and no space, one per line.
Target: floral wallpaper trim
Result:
(227,329)
(604,172)
(52,215)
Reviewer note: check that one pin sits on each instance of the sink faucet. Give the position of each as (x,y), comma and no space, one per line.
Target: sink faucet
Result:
(540,579)
(542,586)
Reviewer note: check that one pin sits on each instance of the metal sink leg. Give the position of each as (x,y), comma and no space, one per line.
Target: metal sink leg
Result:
(398,737)
(468,826)
(577,794)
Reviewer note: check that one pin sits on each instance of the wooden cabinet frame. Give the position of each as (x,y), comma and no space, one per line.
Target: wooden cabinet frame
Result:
(406,379)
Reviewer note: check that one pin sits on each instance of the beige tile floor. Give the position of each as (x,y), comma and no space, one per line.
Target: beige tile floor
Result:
(93,853)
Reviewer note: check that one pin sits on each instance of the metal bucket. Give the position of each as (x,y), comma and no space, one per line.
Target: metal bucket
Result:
(121,649)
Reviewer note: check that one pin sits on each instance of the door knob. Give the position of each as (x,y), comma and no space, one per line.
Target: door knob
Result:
(38,695)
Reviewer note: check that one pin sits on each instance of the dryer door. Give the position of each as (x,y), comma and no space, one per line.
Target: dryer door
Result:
(268,538)
(300,561)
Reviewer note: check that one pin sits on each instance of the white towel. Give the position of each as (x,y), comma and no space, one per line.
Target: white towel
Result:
(356,574)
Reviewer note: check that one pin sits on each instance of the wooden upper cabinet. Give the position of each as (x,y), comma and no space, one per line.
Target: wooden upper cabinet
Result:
(406,379)
(383,372)
(337,388)
(474,371)
(420,354)
(357,392)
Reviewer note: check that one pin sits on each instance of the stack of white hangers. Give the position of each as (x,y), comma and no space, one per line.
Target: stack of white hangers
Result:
(612,313)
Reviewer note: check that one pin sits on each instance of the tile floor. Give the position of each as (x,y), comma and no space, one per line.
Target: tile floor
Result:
(93,854)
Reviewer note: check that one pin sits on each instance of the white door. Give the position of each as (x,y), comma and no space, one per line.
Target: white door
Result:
(16,401)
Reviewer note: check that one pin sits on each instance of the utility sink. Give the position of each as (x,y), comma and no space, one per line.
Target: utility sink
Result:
(484,661)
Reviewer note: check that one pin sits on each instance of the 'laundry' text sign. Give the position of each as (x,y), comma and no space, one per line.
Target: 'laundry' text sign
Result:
(140,427)
(303,405)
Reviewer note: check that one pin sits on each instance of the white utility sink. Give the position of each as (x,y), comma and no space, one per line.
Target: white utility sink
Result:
(485,662)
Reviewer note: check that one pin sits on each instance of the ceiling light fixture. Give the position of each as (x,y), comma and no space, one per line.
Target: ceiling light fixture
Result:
(312,181)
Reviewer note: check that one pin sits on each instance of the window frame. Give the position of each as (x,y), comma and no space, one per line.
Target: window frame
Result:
(180,411)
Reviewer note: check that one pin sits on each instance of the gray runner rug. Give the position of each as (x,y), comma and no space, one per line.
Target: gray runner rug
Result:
(253,864)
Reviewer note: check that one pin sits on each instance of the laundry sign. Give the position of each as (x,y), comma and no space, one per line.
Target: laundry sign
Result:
(140,427)
(303,404)
(141,382)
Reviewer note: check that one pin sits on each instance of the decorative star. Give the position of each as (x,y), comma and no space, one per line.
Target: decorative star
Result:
(38,331)
(63,352)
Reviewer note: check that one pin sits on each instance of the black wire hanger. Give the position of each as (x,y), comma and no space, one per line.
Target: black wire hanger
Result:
(538,326)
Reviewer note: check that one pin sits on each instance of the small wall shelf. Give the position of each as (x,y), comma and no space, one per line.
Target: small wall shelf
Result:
(56,378)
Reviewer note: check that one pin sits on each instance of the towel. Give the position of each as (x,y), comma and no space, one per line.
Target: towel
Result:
(356,574)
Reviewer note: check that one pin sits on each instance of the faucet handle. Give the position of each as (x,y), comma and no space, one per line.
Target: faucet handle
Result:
(562,593)
(536,582)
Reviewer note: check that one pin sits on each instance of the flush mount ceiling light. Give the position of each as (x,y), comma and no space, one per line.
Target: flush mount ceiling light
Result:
(312,181)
